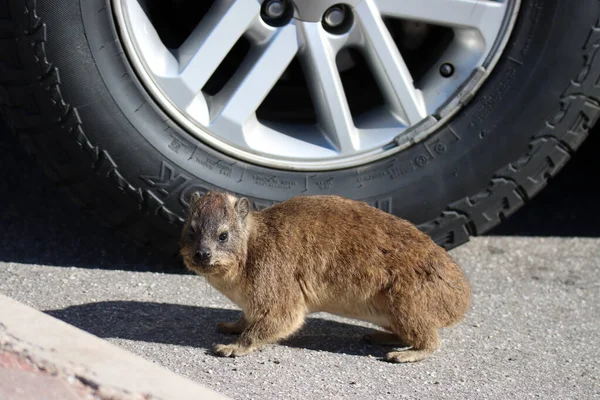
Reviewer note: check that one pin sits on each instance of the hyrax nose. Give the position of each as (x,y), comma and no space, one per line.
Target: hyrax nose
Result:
(203,256)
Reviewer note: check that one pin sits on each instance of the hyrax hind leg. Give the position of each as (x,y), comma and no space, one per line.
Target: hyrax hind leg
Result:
(267,327)
(415,326)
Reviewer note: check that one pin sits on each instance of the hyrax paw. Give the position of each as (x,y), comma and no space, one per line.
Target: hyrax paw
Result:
(231,350)
(407,356)
(231,328)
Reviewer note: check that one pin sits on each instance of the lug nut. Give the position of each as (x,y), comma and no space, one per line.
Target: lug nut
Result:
(447,70)
(335,16)
(274,8)
(276,12)
(338,19)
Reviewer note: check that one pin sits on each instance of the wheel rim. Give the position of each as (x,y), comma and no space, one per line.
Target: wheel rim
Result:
(317,42)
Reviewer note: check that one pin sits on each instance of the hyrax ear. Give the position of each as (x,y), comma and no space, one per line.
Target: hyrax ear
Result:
(195,197)
(242,208)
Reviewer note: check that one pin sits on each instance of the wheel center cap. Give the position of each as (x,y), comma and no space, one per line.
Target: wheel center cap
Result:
(313,10)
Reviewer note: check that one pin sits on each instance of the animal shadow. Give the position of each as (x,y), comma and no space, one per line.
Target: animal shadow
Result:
(195,326)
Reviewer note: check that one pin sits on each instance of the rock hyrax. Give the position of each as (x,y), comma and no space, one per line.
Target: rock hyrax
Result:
(323,253)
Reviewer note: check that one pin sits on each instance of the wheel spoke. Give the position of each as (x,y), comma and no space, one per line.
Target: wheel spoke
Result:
(484,15)
(204,50)
(327,91)
(392,74)
(237,103)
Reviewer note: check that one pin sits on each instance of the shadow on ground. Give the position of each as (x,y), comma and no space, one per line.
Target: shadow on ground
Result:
(195,326)
(40,225)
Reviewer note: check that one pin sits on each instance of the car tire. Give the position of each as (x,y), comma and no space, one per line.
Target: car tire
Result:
(69,92)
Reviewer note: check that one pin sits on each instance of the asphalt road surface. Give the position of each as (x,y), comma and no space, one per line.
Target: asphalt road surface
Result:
(532,332)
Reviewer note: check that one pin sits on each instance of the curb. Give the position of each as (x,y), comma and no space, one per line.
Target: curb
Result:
(39,354)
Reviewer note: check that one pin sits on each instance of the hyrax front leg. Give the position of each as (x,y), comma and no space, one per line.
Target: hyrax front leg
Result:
(233,328)
(267,328)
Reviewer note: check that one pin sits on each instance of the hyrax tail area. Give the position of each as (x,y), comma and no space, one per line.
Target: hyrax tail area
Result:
(452,298)
(435,294)
(435,289)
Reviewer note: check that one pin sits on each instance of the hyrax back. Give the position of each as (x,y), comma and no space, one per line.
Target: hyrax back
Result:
(323,253)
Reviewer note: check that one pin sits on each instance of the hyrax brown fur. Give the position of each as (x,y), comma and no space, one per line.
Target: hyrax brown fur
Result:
(323,253)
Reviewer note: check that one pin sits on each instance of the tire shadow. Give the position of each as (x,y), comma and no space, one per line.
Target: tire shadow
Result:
(39,224)
(195,326)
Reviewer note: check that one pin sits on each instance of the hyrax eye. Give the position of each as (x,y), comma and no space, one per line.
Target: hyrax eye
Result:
(223,237)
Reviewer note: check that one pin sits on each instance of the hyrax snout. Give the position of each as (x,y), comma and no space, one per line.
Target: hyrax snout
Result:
(323,254)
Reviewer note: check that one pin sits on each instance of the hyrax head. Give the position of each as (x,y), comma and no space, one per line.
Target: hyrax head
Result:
(214,237)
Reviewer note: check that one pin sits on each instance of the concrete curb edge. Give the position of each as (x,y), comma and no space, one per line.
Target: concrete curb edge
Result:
(44,340)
